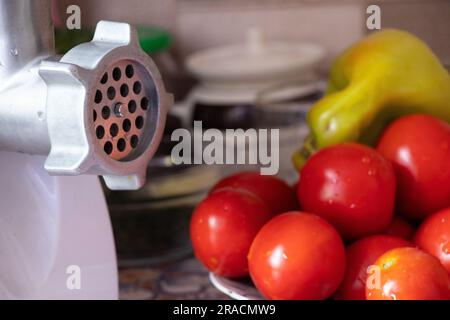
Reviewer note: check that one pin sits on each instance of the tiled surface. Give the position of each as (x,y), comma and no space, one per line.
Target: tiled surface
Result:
(181,280)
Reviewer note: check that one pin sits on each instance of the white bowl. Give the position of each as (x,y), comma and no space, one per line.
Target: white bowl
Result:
(238,289)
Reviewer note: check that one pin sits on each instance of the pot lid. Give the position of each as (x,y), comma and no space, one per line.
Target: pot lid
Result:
(257,61)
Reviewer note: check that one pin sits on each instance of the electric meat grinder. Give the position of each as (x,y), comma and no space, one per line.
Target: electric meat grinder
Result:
(98,110)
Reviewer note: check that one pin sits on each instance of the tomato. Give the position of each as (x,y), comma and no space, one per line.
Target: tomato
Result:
(433,236)
(360,255)
(408,274)
(297,256)
(419,148)
(222,229)
(399,227)
(276,193)
(351,186)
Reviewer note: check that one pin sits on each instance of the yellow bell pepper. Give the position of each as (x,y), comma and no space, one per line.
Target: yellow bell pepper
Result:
(386,75)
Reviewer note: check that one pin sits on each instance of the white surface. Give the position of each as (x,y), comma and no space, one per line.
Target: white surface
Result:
(257,62)
(217,96)
(47,224)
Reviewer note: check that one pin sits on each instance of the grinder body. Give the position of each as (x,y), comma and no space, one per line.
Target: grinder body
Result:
(98,110)
(49,227)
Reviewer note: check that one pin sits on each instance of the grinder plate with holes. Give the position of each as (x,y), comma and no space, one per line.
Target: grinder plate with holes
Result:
(120,111)
(106,108)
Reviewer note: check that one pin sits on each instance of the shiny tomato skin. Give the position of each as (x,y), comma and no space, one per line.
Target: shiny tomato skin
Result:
(222,229)
(399,227)
(433,236)
(409,274)
(351,186)
(297,256)
(276,193)
(419,148)
(360,255)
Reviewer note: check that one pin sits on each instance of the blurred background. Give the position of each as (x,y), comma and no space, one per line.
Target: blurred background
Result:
(200,24)
(296,41)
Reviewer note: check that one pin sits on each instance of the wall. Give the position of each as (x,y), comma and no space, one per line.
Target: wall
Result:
(428,19)
(198,24)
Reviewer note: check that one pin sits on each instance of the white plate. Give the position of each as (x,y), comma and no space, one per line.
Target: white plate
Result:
(276,61)
(238,289)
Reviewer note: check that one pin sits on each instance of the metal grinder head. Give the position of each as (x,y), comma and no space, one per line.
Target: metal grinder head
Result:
(106,108)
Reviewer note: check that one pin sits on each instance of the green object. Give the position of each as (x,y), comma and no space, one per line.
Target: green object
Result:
(151,39)
(66,39)
(389,74)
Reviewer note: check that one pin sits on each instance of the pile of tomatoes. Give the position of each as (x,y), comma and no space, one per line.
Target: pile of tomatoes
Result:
(361,223)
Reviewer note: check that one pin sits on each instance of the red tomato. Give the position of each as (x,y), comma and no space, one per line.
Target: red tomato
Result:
(433,236)
(419,148)
(297,256)
(351,186)
(360,255)
(222,229)
(276,193)
(399,227)
(408,274)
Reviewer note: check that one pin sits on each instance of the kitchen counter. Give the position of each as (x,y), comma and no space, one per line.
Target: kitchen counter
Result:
(181,280)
